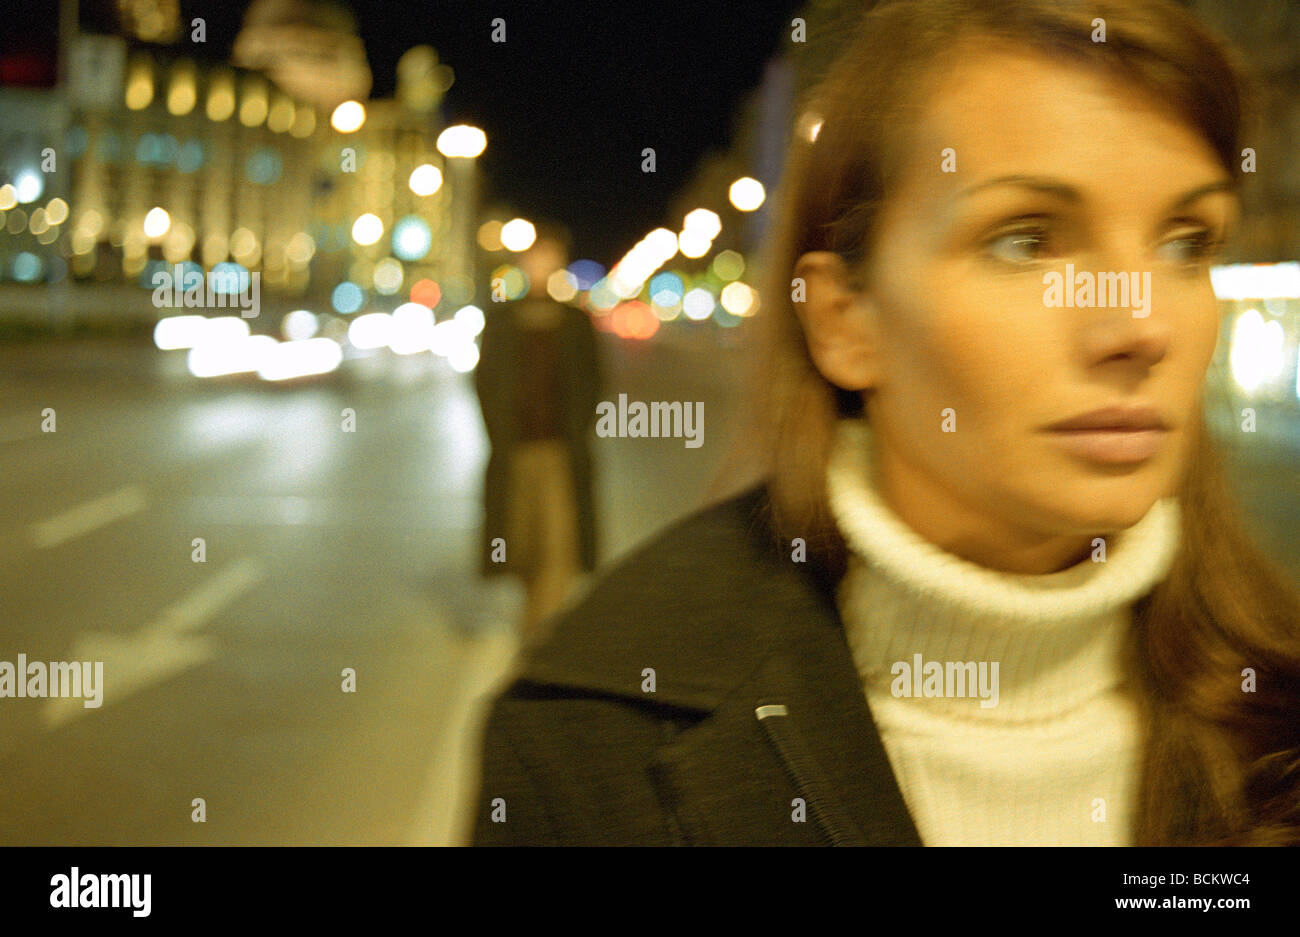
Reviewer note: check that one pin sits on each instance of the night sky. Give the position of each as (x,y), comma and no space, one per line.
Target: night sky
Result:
(568,101)
(579,89)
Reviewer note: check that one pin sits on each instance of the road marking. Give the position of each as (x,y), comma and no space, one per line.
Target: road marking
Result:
(164,647)
(88,516)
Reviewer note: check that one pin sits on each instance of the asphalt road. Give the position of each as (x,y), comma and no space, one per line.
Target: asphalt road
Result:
(323,550)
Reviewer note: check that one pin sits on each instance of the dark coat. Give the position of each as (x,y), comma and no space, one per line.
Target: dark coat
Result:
(496,381)
(756,703)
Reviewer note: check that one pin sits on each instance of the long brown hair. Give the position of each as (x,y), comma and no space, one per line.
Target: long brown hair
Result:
(1221,765)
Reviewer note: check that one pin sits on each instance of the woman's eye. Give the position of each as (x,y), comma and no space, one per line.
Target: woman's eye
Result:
(1193,248)
(1020,246)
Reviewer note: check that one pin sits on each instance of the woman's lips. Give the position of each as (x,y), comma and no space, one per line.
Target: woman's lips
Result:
(1117,446)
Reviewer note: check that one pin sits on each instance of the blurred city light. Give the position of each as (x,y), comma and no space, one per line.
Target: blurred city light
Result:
(471,319)
(518,234)
(588,272)
(177,332)
(461,140)
(562,286)
(367,229)
(693,244)
(509,281)
(662,244)
(229,278)
(388,276)
(27,267)
(746,194)
(299,325)
(602,295)
(426,292)
(463,358)
(370,331)
(287,360)
(253,108)
(704,222)
(221,95)
(1256,281)
(348,117)
(182,95)
(280,117)
(139,84)
(633,320)
(232,356)
(739,299)
(156,222)
(412,328)
(28,186)
(489,236)
(666,288)
(347,298)
(300,248)
(425,179)
(1255,358)
(412,238)
(698,304)
(728,265)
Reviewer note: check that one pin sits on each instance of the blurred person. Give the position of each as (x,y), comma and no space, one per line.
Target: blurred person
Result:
(991,588)
(538,383)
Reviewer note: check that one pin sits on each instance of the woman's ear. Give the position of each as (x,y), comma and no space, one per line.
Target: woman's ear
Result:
(839,321)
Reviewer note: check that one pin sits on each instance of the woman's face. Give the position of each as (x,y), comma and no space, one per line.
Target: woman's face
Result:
(1055,164)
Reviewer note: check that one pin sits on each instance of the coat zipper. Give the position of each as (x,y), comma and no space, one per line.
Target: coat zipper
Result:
(807,775)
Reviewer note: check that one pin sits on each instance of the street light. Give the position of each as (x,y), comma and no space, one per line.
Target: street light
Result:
(746,194)
(348,117)
(518,235)
(706,223)
(156,223)
(462,140)
(367,229)
(425,179)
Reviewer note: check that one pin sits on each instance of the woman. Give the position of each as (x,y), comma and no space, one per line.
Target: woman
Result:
(992,590)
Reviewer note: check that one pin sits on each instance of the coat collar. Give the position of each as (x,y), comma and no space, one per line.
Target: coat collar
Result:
(699,606)
(730,625)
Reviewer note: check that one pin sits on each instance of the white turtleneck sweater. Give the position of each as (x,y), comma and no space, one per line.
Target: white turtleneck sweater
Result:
(1059,750)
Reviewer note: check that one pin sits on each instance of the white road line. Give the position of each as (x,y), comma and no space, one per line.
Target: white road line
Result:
(204,602)
(88,516)
(164,647)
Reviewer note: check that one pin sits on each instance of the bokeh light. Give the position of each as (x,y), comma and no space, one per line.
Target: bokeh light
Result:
(489,236)
(518,234)
(426,292)
(347,298)
(156,222)
(388,276)
(746,194)
(698,304)
(412,238)
(348,117)
(367,229)
(425,179)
